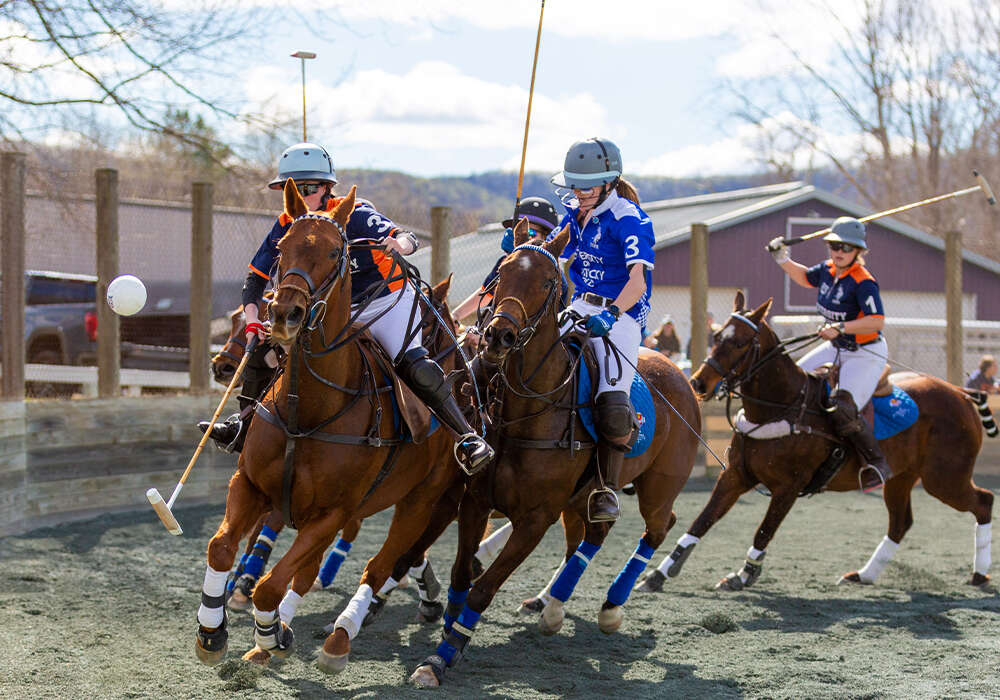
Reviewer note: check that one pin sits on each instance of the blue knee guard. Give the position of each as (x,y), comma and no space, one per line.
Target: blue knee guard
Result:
(261,552)
(562,589)
(625,581)
(333,561)
(456,602)
(240,568)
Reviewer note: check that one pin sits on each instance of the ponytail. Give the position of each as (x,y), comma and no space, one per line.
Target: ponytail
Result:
(627,190)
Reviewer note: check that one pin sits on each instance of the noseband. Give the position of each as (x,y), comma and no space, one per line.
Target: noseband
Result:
(732,376)
(526,331)
(316,296)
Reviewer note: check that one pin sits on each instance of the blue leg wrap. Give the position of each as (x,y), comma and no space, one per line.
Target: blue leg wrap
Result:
(562,589)
(462,628)
(240,568)
(456,602)
(620,589)
(261,552)
(333,561)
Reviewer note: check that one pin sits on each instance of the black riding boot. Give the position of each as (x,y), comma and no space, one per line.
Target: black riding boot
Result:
(614,423)
(257,375)
(427,380)
(849,425)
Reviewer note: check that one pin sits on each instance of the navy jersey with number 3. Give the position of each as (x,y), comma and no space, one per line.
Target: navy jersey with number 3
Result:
(852,295)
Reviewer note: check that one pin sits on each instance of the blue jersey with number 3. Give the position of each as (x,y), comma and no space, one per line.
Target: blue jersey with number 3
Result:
(851,296)
(617,235)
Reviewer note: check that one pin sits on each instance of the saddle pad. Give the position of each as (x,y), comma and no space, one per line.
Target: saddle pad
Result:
(894,413)
(642,402)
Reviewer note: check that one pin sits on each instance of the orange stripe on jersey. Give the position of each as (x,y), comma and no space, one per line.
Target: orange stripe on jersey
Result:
(384,263)
(254,269)
(866,337)
(860,273)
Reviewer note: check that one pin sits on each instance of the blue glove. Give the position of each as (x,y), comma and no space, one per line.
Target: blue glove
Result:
(507,244)
(600,324)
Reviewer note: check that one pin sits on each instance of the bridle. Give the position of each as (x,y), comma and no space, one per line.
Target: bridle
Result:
(526,330)
(316,296)
(748,364)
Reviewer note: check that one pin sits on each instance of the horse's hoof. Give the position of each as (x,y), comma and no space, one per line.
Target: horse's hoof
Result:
(317,586)
(531,606)
(653,583)
(207,657)
(551,619)
(238,601)
(429,611)
(979,579)
(210,645)
(610,619)
(331,664)
(733,582)
(852,577)
(258,656)
(424,677)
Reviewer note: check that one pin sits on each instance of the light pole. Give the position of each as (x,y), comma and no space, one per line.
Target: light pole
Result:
(302,56)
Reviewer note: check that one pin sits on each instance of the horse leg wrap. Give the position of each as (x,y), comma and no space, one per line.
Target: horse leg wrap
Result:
(211,613)
(378,602)
(217,639)
(333,561)
(752,567)
(671,566)
(452,646)
(986,416)
(354,614)
(235,574)
(261,553)
(880,557)
(428,586)
(456,603)
(984,536)
(491,546)
(269,632)
(289,606)
(563,587)
(622,586)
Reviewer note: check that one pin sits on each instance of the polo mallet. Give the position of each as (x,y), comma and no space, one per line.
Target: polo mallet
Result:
(527,119)
(982,186)
(163,509)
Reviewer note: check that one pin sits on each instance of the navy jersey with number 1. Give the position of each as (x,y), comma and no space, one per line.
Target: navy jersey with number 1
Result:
(852,295)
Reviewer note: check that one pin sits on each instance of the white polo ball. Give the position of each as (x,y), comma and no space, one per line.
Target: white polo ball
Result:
(126,295)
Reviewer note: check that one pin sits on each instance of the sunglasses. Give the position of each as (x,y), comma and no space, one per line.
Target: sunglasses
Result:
(586,190)
(841,247)
(308,188)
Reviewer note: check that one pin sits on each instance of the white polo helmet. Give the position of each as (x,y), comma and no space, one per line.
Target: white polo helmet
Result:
(302,162)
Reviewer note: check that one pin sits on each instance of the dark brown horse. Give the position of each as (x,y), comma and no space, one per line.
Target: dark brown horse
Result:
(939,450)
(534,477)
(337,479)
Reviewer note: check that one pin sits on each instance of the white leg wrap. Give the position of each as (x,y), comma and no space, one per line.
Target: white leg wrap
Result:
(264,619)
(389,584)
(685,541)
(754,553)
(418,570)
(289,605)
(544,593)
(215,585)
(354,614)
(880,557)
(491,546)
(984,536)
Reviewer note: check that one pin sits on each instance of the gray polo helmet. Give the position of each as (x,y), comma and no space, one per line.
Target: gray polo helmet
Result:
(847,229)
(538,211)
(589,163)
(302,162)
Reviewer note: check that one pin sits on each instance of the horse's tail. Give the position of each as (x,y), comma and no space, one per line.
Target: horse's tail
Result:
(985,414)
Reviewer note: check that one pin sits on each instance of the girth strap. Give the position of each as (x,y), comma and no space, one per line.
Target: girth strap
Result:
(288,475)
(548,444)
(366,440)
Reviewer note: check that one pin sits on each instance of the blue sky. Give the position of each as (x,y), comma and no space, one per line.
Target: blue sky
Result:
(437,87)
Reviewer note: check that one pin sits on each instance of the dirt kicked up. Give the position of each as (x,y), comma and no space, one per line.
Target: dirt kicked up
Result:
(107,609)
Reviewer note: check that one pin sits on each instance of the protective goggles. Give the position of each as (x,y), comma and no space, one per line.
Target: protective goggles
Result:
(842,247)
(308,188)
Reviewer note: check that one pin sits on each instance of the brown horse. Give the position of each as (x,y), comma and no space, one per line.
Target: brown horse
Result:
(939,449)
(541,469)
(338,477)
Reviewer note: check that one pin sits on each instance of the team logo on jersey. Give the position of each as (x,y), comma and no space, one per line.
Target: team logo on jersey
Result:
(595,241)
(838,295)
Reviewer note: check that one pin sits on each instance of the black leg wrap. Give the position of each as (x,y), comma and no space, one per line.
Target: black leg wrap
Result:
(217,639)
(281,633)
(679,555)
(245,585)
(430,611)
(374,608)
(428,583)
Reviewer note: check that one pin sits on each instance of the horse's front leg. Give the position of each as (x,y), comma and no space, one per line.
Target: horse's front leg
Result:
(528,532)
(563,585)
(731,484)
(244,504)
(574,528)
(259,551)
(782,501)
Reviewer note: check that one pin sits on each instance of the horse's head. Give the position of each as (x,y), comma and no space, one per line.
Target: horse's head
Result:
(225,362)
(313,261)
(527,293)
(737,346)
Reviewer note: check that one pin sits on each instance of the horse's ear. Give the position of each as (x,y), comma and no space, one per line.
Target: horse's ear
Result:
(558,242)
(761,311)
(440,290)
(342,212)
(739,301)
(521,232)
(295,206)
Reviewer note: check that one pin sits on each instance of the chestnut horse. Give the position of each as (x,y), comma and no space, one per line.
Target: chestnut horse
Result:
(535,475)
(939,450)
(335,482)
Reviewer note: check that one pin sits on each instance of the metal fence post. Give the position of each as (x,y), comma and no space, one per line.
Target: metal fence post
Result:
(108,327)
(12,261)
(954,337)
(440,244)
(699,293)
(201,285)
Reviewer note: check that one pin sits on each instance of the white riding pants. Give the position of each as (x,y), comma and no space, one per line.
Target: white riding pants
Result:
(391,329)
(626,335)
(859,369)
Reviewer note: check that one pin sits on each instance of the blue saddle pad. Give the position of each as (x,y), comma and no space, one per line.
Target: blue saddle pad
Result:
(894,413)
(642,401)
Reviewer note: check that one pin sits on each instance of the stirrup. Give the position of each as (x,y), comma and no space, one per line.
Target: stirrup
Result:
(222,442)
(872,487)
(478,458)
(600,517)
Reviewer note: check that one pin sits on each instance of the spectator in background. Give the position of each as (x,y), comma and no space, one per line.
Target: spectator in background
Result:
(711,329)
(985,379)
(665,339)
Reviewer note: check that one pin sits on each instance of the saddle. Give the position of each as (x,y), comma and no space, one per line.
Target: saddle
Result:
(412,410)
(830,373)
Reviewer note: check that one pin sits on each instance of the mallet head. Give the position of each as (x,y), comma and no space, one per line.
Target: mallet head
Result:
(160,506)
(985,187)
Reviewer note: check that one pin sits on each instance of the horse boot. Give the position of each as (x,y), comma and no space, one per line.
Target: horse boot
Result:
(426,379)
(849,425)
(614,426)
(231,434)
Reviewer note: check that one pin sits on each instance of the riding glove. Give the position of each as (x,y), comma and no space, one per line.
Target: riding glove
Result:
(507,244)
(779,251)
(599,325)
